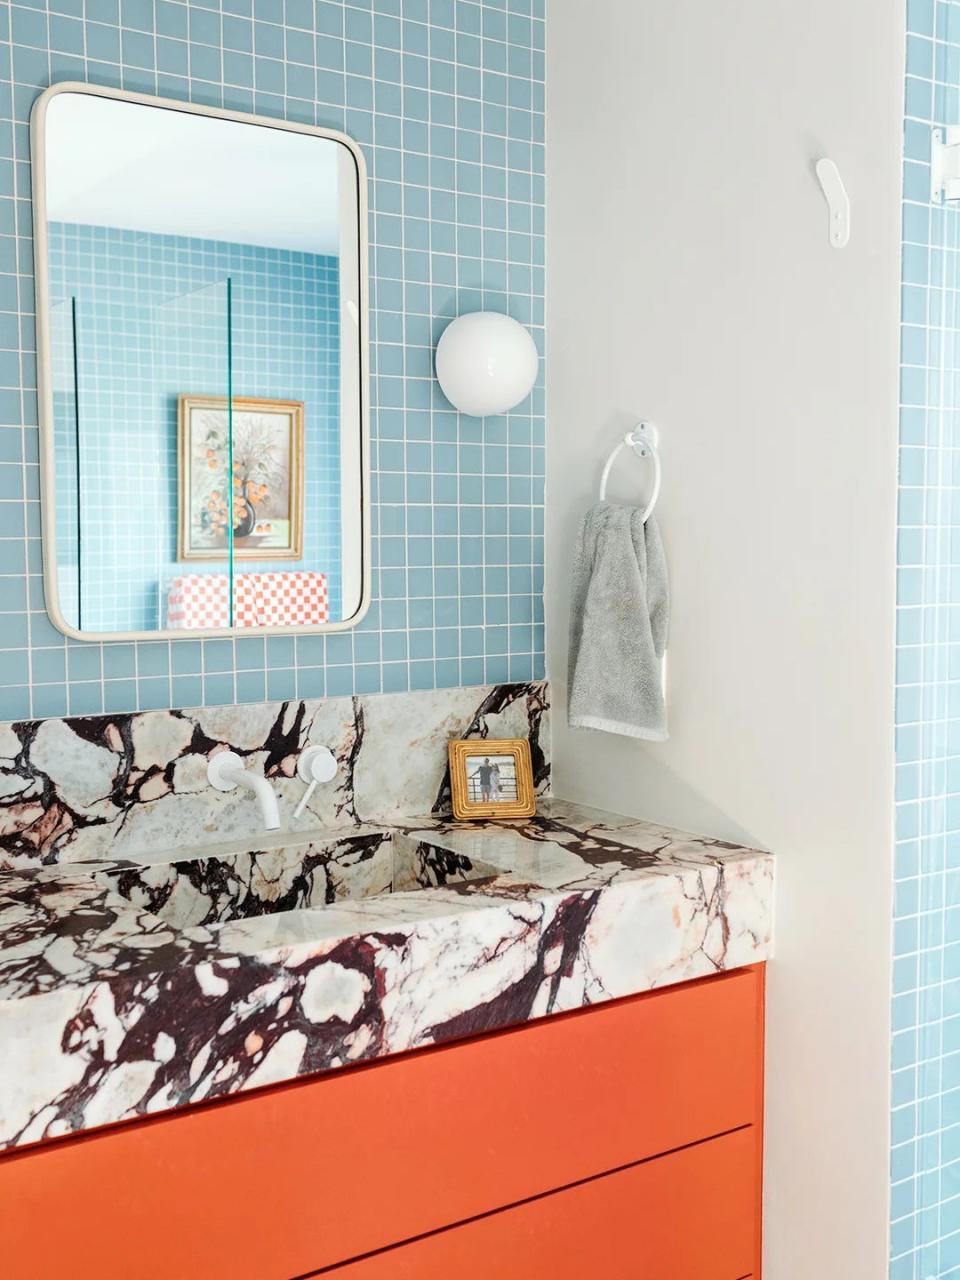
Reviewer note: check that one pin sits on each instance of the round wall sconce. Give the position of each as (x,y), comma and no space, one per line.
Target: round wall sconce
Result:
(486,363)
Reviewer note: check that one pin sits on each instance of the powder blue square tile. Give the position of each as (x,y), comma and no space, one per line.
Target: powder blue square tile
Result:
(48,700)
(251,652)
(447,671)
(67,35)
(368,677)
(187,690)
(48,666)
(28,27)
(85,698)
(919,98)
(281,683)
(251,686)
(83,662)
(154,693)
(366,647)
(395,677)
(472,671)
(119,660)
(172,19)
(186,657)
(339,681)
(920,17)
(153,659)
(218,655)
(164,43)
(280,651)
(15,702)
(218,689)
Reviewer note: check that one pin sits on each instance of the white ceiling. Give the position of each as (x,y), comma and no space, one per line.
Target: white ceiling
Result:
(120,164)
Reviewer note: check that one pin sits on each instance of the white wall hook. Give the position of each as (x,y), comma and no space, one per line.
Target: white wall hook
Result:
(315,765)
(838,202)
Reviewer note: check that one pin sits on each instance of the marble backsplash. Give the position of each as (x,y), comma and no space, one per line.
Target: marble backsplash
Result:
(127,785)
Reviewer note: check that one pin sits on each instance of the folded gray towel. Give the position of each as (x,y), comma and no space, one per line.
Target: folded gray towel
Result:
(618,625)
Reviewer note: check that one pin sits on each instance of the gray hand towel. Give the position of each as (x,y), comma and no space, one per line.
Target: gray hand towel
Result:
(618,625)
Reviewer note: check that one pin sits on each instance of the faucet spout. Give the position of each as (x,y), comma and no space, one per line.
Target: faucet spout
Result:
(267,797)
(226,772)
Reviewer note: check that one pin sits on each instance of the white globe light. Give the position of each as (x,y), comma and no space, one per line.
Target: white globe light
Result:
(486,363)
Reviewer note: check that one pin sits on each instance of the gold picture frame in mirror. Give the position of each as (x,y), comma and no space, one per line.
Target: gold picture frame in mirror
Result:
(267,465)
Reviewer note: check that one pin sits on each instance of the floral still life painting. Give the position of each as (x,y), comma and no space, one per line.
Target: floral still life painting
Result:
(264,496)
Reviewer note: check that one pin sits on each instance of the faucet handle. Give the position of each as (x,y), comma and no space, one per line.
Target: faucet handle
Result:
(316,764)
(221,767)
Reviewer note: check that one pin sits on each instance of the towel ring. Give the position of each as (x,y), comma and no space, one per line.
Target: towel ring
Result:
(643,440)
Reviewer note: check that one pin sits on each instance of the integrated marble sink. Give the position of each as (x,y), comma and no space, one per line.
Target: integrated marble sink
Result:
(159,979)
(222,884)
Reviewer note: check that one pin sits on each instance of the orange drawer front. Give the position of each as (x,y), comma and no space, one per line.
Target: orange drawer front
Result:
(685,1216)
(302,1176)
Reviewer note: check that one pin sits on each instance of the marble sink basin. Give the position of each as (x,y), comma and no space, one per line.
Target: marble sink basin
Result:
(222,884)
(158,979)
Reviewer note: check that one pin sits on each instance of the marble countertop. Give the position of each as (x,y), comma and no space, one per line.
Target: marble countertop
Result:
(132,987)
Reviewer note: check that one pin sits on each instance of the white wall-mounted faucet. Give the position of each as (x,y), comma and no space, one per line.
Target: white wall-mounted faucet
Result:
(226,772)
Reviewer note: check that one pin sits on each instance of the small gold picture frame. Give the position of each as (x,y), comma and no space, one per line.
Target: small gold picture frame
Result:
(492,778)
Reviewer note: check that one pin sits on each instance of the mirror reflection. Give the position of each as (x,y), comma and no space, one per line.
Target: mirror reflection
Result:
(203,366)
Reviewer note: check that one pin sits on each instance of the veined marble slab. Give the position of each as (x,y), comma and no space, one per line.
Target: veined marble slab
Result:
(125,785)
(109,1011)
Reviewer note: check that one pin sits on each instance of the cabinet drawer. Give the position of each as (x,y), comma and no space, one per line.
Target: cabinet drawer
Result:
(301,1176)
(685,1216)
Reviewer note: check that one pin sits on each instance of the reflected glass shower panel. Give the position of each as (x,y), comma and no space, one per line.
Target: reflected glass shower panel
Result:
(130,478)
(67,456)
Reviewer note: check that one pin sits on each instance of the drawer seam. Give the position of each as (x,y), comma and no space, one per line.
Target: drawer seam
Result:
(514,1204)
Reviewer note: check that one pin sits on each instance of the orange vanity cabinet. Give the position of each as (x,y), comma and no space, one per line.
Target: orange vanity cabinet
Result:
(620,1140)
(683,1216)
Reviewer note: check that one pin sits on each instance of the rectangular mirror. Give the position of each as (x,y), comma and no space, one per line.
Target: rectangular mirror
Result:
(201,310)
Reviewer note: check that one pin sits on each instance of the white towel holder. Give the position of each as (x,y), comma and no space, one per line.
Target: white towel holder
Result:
(643,440)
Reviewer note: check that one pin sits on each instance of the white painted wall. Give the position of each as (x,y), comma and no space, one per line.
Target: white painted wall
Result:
(690,280)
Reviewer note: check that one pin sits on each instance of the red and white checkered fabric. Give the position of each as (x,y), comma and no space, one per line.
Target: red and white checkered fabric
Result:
(293,599)
(197,601)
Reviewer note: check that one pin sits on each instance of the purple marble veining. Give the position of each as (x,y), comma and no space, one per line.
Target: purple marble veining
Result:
(113,786)
(156,952)
(109,1011)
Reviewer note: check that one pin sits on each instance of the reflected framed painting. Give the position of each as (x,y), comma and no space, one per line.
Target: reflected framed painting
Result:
(492,778)
(264,496)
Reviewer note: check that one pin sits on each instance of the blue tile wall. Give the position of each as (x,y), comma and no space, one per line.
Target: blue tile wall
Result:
(446,99)
(151,323)
(925,1136)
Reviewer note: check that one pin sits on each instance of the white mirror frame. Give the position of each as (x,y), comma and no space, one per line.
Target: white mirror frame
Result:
(48,510)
